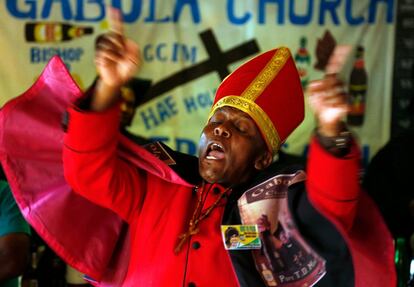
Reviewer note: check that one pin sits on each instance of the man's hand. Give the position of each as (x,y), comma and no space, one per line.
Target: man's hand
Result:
(328,101)
(116,59)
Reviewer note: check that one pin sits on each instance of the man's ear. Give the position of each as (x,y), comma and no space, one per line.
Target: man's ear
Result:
(263,161)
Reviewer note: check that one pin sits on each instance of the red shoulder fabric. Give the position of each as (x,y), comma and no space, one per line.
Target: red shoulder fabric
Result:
(333,188)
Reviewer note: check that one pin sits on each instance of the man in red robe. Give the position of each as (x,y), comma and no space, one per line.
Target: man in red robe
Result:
(173,214)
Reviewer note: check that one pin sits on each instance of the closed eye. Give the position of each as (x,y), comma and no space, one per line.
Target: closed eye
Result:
(242,129)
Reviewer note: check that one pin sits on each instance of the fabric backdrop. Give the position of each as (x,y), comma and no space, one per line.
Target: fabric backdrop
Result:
(189,46)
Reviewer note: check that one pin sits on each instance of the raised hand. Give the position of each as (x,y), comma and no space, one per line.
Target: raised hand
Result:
(328,101)
(116,57)
(117,61)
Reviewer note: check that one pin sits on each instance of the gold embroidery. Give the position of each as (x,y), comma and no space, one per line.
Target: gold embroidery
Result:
(266,75)
(258,115)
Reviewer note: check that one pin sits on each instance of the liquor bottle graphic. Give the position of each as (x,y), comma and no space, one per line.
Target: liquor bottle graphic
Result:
(358,83)
(302,60)
(43,32)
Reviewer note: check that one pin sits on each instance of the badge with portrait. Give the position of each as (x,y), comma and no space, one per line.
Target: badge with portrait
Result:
(237,237)
(285,259)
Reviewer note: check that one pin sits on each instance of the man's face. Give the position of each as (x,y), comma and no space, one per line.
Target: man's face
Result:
(231,148)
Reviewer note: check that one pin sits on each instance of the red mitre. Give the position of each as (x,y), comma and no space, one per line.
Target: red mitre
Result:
(269,90)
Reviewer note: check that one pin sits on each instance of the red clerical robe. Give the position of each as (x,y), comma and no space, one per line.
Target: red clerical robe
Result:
(157,204)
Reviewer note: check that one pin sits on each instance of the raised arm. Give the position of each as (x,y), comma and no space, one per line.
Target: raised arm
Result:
(333,163)
(117,60)
(91,163)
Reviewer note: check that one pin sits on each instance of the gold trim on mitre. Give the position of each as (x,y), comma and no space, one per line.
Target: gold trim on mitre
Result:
(246,101)
(267,74)
(264,123)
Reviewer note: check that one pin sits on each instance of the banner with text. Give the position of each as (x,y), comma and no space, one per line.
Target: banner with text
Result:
(189,46)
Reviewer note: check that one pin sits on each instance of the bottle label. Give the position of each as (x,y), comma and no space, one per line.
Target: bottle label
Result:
(48,32)
(357,95)
(75,32)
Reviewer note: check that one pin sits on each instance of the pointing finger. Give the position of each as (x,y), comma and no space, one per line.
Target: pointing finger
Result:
(115,21)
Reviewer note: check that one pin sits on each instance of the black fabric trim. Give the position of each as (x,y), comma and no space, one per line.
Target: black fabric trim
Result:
(186,165)
(324,238)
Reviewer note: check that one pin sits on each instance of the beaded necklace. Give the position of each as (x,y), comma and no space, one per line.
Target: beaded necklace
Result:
(198,214)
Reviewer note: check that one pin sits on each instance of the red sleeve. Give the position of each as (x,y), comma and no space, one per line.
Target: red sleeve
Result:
(92,167)
(333,183)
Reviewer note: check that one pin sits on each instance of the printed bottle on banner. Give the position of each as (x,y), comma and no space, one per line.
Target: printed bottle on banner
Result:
(44,32)
(302,60)
(357,90)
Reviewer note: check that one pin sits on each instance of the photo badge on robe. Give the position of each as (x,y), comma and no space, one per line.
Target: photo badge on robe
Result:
(285,259)
(236,237)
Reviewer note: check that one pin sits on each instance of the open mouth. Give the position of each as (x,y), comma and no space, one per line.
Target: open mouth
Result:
(215,152)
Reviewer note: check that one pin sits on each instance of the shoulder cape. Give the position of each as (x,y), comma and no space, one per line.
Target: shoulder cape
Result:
(92,239)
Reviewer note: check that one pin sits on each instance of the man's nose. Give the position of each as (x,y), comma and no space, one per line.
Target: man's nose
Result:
(222,131)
